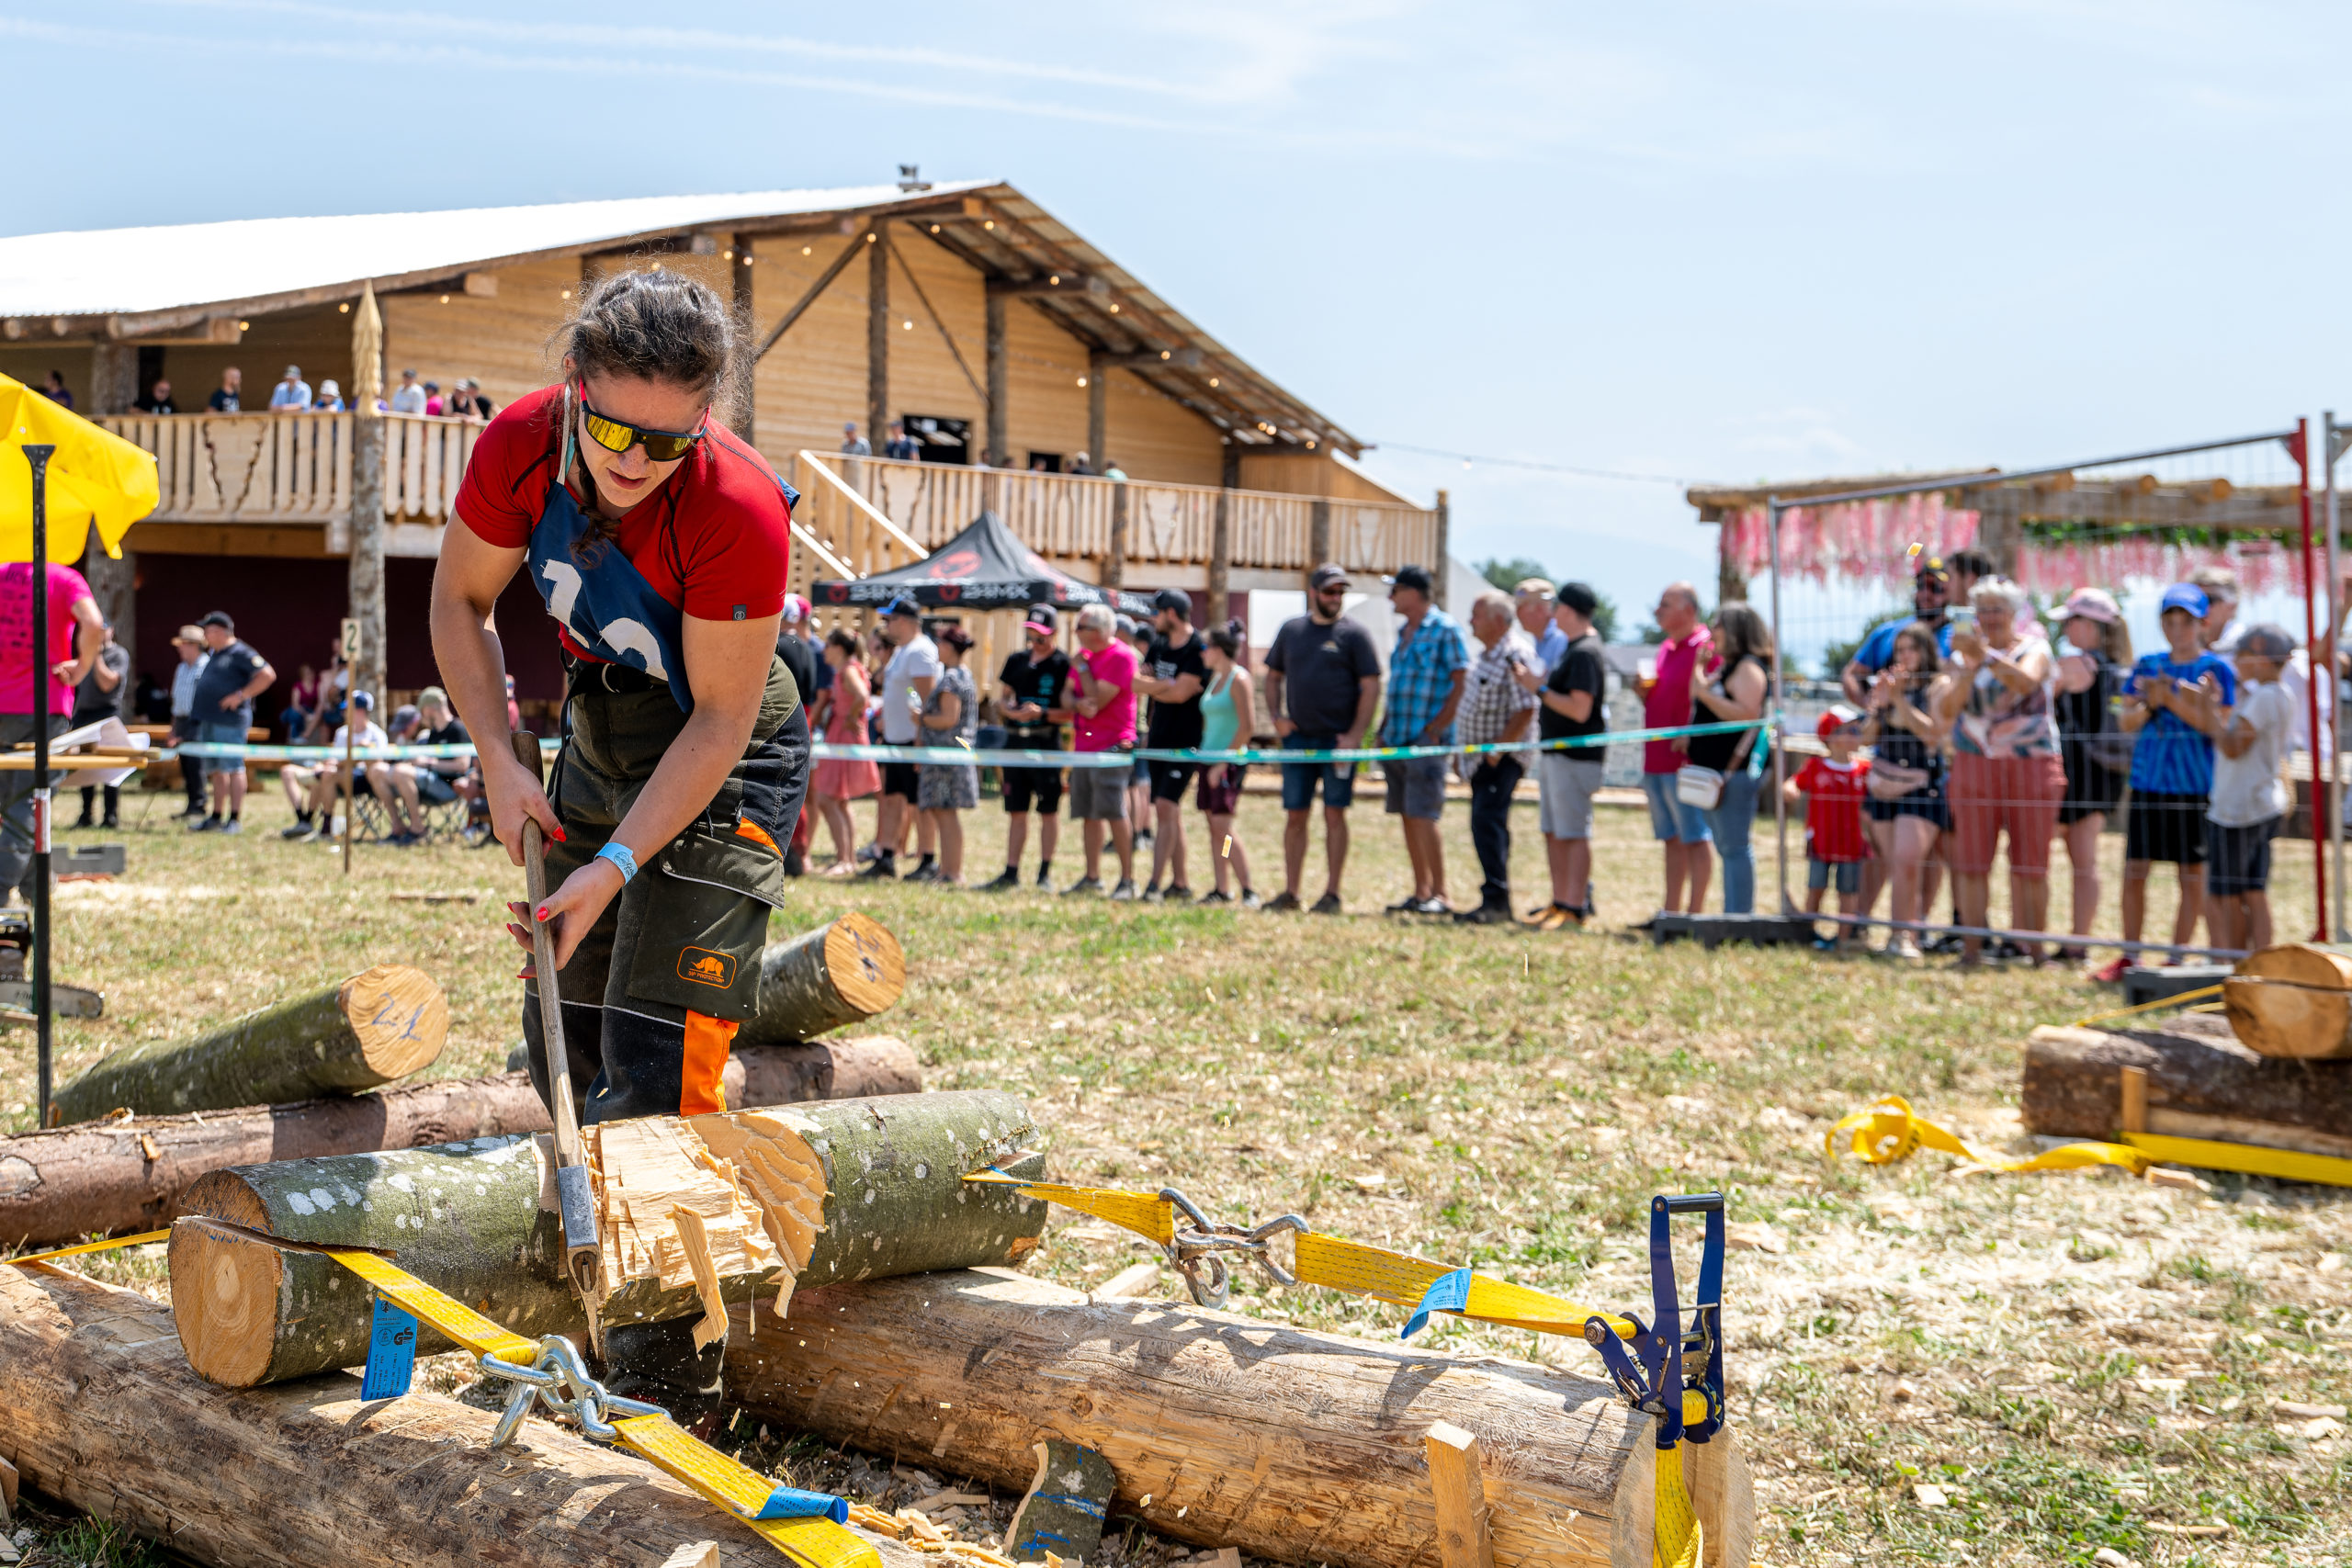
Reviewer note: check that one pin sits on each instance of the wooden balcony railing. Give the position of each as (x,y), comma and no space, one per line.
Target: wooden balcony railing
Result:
(1069,516)
(294,468)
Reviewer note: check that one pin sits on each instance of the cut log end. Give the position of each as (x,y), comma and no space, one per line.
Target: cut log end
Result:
(868,967)
(2289,1018)
(225,1301)
(399,1017)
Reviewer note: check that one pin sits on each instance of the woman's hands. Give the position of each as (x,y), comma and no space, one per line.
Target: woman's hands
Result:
(515,795)
(569,913)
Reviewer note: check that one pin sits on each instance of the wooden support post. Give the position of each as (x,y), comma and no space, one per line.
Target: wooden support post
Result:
(1460,1491)
(114,386)
(114,378)
(745,422)
(1000,376)
(1441,568)
(1114,565)
(1221,560)
(1319,532)
(2134,1089)
(1097,366)
(878,336)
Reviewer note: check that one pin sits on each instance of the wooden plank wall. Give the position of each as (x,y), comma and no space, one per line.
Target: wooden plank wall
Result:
(502,340)
(1313,473)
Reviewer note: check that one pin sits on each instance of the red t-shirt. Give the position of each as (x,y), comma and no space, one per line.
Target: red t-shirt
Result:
(713,540)
(1832,812)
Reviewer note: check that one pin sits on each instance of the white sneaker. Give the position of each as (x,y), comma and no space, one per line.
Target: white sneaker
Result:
(1900,946)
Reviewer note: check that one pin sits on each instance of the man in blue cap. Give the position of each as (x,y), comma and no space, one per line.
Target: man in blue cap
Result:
(2172,766)
(907,681)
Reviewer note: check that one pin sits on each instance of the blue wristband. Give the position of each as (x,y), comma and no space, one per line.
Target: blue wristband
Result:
(619,854)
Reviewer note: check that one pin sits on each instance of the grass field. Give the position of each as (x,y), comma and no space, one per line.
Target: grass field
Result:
(2078,1361)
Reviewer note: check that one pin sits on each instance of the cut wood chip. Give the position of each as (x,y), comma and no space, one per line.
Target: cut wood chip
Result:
(2303,1412)
(1755,1236)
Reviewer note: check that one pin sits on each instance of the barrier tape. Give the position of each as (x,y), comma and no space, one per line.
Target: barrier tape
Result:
(1888,1130)
(995,756)
(803,1525)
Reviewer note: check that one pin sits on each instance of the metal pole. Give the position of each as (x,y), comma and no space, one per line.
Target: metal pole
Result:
(350,737)
(2323,668)
(39,456)
(2311,641)
(1780,728)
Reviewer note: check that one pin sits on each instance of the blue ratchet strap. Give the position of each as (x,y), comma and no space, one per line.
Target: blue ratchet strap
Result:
(1649,1369)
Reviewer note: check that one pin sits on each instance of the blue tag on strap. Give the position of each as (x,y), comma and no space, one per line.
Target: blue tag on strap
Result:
(391,1352)
(792,1503)
(1447,1292)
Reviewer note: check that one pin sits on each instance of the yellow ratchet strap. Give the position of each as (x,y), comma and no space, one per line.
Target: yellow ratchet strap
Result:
(1147,1214)
(1888,1130)
(1676,1537)
(1335,1264)
(815,1542)
(2171,1001)
(2250,1159)
(110,1244)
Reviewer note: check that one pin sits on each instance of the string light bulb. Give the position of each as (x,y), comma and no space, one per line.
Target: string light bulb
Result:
(1054,280)
(343,309)
(909,326)
(934,228)
(444,299)
(567,294)
(1081,380)
(1213,381)
(245,326)
(727,255)
(805,250)
(1115,310)
(988,223)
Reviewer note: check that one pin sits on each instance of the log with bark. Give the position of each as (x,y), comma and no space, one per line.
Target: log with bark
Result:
(1293,1444)
(838,975)
(375,1027)
(111,1177)
(2201,1083)
(2294,1000)
(882,1178)
(100,1411)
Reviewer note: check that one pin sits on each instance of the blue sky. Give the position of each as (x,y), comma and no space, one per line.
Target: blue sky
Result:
(1705,241)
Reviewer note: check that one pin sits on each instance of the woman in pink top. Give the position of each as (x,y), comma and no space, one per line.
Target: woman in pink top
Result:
(839,780)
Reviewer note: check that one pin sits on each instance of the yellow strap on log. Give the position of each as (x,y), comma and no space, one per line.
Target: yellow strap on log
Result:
(1676,1538)
(451,1316)
(815,1542)
(1888,1130)
(2172,1001)
(2250,1159)
(1402,1280)
(1147,1214)
(109,1245)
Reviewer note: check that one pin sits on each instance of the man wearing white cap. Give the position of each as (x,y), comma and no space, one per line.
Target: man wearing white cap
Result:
(292,394)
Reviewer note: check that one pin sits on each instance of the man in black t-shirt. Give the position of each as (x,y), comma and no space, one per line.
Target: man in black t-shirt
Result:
(1322,682)
(1575,697)
(1033,697)
(1172,675)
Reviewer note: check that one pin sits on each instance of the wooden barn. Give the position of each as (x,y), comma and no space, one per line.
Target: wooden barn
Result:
(1006,343)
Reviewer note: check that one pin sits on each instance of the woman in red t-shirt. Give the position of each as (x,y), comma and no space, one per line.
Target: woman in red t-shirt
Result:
(658,541)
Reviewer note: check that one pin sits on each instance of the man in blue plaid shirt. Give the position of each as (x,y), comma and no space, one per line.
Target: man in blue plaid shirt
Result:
(1427,673)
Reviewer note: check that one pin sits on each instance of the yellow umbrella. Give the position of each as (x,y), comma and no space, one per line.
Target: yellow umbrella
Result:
(96,477)
(90,478)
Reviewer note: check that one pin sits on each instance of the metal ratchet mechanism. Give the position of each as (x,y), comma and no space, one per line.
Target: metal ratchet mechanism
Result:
(559,1380)
(1197,1253)
(1650,1369)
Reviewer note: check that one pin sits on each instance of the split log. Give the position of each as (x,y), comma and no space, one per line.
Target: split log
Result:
(1302,1447)
(373,1029)
(100,1411)
(882,1178)
(112,1177)
(2198,1075)
(835,975)
(2294,1000)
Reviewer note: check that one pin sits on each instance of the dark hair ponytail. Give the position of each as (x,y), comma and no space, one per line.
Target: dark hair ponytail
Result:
(1228,639)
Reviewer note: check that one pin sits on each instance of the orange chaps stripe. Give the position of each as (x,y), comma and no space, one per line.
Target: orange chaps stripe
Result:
(700,1088)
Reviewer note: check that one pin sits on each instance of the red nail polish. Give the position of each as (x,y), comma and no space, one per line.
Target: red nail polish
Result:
(543,912)
(561,837)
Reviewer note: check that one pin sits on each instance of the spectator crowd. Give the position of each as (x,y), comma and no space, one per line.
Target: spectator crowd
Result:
(292,394)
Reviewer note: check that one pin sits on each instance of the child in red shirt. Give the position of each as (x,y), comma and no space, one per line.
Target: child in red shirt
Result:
(1832,789)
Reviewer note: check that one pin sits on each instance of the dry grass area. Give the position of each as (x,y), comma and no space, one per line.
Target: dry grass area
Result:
(1928,1367)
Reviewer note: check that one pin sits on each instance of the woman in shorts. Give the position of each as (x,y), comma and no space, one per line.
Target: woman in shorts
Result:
(952,718)
(2094,657)
(1226,703)
(1906,808)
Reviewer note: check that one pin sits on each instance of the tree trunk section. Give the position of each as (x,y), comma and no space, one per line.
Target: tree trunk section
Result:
(467,1218)
(98,1410)
(2292,1000)
(2073,1082)
(837,974)
(373,1029)
(1291,1445)
(114,1178)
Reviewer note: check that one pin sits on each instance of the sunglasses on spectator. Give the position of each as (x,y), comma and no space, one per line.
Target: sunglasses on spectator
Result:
(662,446)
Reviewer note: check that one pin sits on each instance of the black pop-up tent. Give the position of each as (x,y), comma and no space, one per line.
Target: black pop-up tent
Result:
(983,567)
